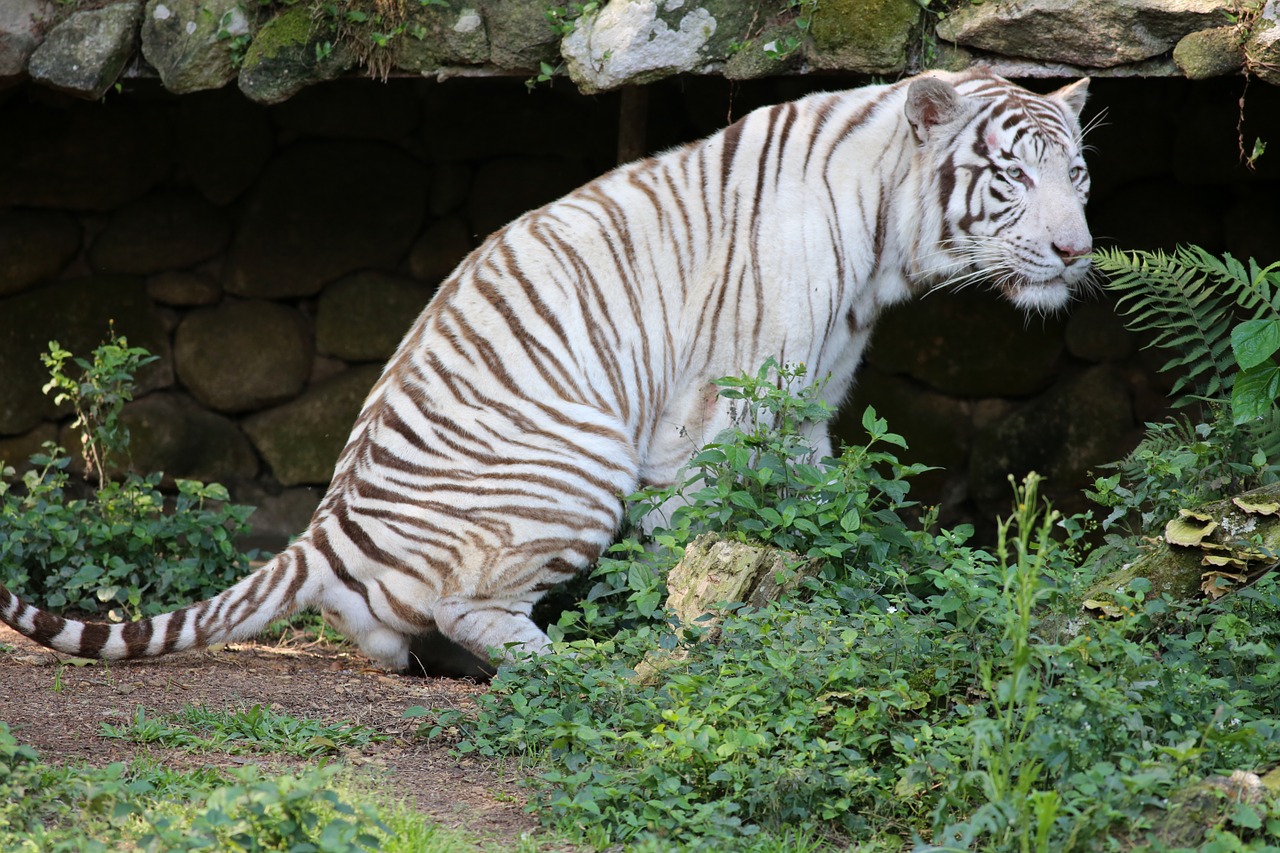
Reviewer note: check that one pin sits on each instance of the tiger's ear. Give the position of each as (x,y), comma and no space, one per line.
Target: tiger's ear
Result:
(1074,95)
(931,102)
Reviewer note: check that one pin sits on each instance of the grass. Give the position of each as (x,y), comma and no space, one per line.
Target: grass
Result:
(144,806)
(256,730)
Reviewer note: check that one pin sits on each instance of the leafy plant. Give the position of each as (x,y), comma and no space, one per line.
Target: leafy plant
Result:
(127,544)
(923,692)
(760,480)
(97,396)
(143,806)
(563,20)
(1221,320)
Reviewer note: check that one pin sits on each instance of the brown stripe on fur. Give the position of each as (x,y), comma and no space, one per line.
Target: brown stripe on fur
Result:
(46,626)
(783,136)
(136,636)
(820,121)
(173,631)
(405,613)
(93,636)
(732,137)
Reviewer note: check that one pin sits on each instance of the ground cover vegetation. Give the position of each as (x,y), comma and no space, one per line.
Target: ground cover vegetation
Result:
(925,692)
(325,808)
(922,691)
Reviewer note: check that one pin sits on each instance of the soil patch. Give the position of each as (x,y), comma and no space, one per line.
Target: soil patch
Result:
(58,709)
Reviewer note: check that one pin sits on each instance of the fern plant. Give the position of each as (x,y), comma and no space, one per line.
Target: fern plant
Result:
(1221,320)
(1191,301)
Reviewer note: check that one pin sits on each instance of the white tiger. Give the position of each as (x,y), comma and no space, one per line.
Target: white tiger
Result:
(564,362)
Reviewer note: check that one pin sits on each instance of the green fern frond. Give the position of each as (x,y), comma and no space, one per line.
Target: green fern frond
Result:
(1189,302)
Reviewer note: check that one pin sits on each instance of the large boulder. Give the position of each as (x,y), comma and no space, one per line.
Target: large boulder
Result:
(85,54)
(938,430)
(631,42)
(1092,33)
(1209,53)
(194,44)
(279,514)
(241,356)
(21,22)
(363,316)
(17,450)
(322,210)
(302,439)
(35,246)
(183,289)
(520,36)
(439,249)
(162,231)
(79,315)
(1096,333)
(1079,424)
(442,36)
(289,53)
(505,188)
(171,433)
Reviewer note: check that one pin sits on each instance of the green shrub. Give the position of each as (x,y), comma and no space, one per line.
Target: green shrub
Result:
(760,480)
(922,692)
(126,550)
(259,813)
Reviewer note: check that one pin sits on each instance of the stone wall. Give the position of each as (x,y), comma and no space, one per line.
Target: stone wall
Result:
(273,257)
(273,49)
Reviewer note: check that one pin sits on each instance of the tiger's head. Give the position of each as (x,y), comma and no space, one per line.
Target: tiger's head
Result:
(1011,185)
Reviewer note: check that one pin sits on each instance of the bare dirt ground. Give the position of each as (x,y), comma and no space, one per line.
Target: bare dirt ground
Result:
(58,709)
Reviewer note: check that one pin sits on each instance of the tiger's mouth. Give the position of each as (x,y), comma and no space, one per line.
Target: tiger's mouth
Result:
(1048,294)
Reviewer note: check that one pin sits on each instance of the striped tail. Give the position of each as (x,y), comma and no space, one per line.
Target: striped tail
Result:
(274,591)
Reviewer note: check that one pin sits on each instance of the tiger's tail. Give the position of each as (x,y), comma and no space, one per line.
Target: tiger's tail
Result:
(275,590)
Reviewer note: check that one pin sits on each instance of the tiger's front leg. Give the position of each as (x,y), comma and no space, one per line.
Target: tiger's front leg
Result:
(482,625)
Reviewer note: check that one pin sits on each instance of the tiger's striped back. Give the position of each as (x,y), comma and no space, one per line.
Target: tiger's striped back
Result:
(569,359)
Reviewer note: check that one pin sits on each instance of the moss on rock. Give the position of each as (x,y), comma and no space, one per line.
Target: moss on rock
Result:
(870,36)
(1209,53)
(290,52)
(287,31)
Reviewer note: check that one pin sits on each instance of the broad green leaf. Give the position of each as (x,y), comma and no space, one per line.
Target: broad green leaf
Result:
(1254,393)
(1255,341)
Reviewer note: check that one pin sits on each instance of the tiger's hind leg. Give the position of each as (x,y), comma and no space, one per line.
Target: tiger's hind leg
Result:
(385,645)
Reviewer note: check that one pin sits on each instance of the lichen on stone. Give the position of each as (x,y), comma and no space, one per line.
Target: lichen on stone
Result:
(636,41)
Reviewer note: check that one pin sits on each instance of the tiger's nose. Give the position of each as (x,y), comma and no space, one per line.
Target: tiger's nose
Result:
(1070,250)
